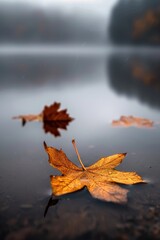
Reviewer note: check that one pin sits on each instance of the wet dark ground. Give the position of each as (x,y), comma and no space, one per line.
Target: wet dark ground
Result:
(95,89)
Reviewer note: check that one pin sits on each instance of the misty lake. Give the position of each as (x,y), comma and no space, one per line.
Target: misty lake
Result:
(96,87)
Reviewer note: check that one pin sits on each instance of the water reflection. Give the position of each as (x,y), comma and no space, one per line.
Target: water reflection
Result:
(52,116)
(35,71)
(93,104)
(136,75)
(53,127)
(51,202)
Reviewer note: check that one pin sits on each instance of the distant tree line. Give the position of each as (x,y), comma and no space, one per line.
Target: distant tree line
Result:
(24,23)
(136,22)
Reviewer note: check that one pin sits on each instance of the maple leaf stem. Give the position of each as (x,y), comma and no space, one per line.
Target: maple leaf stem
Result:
(79,158)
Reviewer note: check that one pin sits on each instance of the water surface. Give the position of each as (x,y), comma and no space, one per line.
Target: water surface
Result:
(96,89)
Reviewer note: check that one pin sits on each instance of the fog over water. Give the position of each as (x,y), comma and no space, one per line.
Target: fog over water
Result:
(64,51)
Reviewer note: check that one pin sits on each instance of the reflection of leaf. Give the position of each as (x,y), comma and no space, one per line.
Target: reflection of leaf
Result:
(52,201)
(53,127)
(99,178)
(53,118)
(127,121)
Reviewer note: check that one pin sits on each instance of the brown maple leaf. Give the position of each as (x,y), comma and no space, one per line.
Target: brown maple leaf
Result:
(52,113)
(53,118)
(99,178)
(127,121)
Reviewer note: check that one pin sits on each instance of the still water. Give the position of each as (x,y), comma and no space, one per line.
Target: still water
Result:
(96,88)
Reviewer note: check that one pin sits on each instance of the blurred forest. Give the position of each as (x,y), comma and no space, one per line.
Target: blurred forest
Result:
(136,22)
(29,23)
(131,22)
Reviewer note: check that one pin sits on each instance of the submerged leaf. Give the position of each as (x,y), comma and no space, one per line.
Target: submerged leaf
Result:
(100,178)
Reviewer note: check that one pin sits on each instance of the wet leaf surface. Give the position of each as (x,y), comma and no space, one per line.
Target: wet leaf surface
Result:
(100,178)
(128,121)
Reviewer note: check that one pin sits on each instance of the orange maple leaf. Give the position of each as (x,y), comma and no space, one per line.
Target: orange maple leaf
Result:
(127,121)
(99,178)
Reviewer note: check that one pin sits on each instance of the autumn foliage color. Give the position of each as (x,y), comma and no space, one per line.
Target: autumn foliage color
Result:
(128,121)
(100,178)
(52,116)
